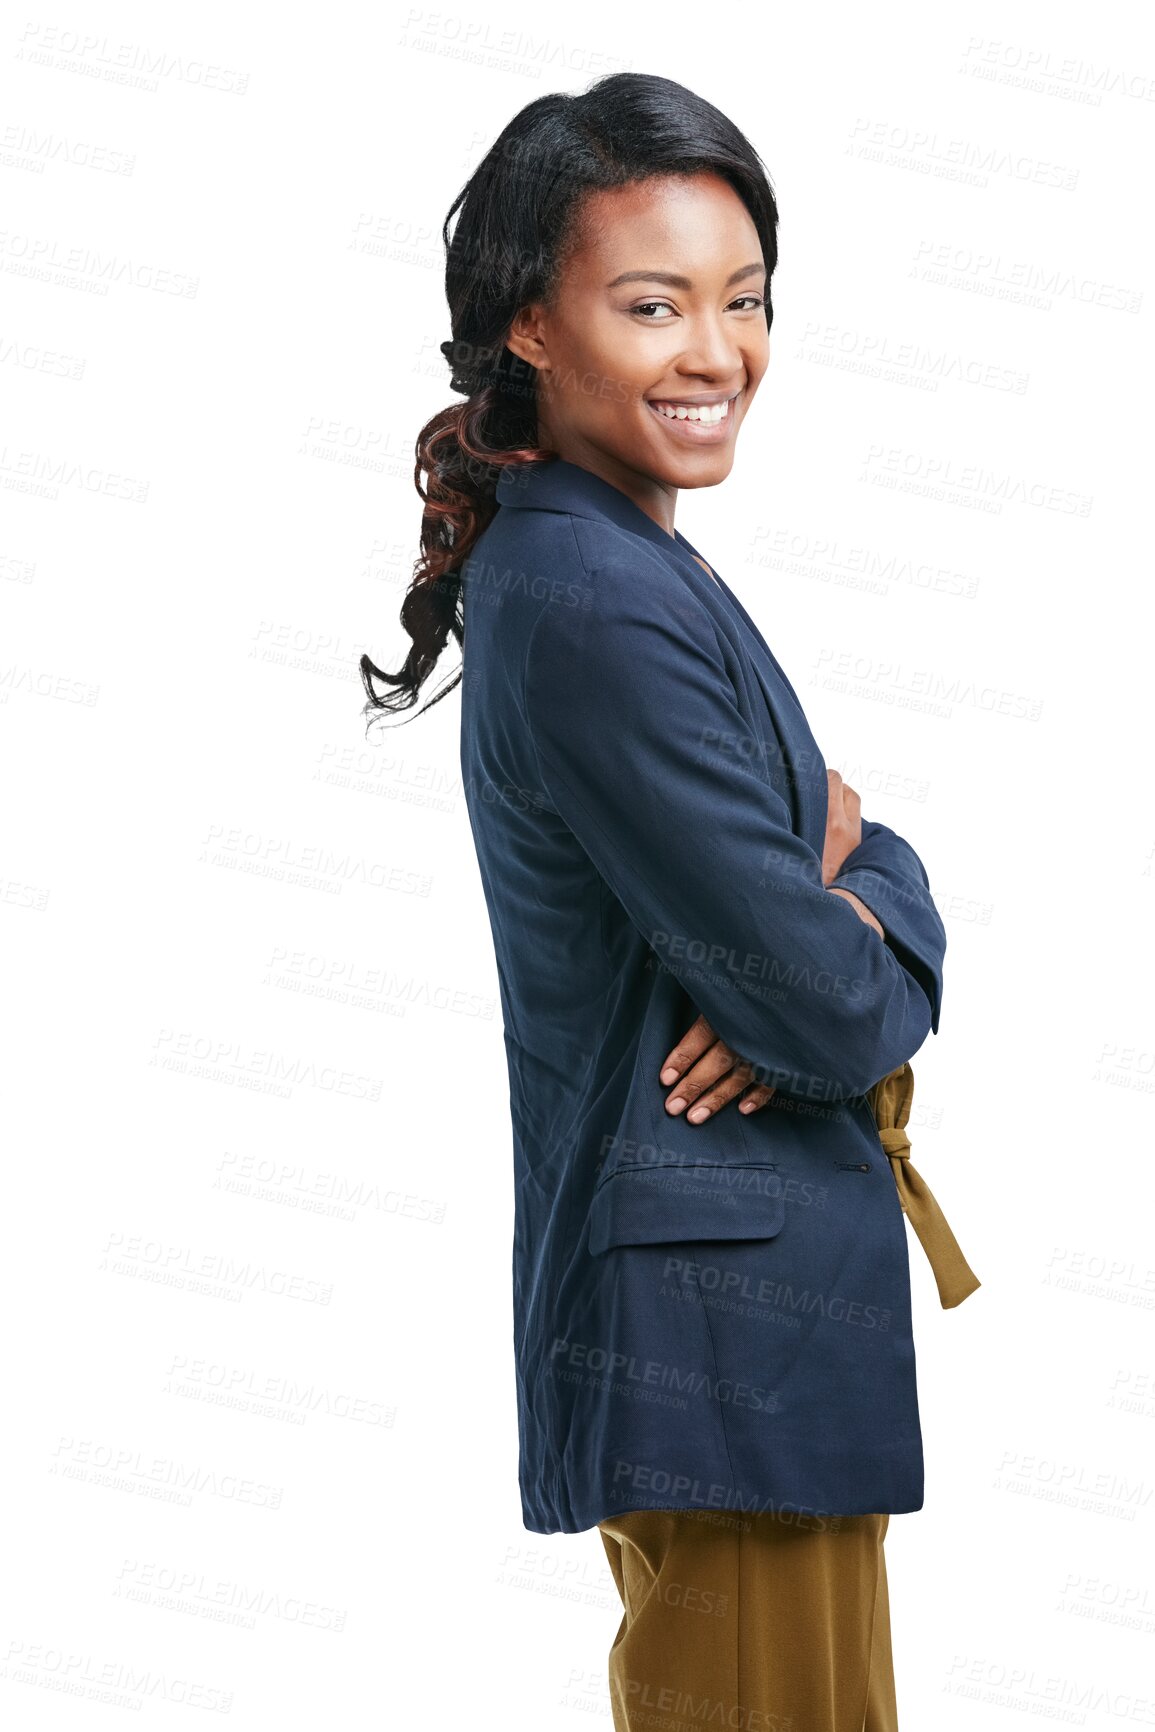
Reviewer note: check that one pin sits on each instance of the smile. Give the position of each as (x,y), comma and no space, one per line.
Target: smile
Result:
(701,417)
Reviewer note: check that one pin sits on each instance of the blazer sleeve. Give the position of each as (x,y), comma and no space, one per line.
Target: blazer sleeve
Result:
(628,701)
(888,875)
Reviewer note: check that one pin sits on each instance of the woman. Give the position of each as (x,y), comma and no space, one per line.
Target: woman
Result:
(711,1300)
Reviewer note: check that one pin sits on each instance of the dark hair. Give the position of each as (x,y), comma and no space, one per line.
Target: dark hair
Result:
(520,215)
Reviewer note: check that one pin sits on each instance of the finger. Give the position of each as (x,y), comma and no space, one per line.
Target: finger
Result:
(714,1099)
(696,1040)
(710,1071)
(722,1092)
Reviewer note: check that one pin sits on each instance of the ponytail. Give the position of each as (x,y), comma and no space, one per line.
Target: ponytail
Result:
(462,450)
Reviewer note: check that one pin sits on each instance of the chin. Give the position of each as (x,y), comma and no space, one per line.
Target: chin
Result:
(706,471)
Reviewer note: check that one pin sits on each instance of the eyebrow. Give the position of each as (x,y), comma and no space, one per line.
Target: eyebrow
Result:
(675,282)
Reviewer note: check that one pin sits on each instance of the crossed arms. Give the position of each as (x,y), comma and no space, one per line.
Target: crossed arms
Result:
(623,699)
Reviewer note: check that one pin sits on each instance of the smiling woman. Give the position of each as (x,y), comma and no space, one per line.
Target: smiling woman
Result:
(711,1307)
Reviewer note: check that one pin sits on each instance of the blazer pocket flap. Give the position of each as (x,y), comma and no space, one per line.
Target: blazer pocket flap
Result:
(707,1200)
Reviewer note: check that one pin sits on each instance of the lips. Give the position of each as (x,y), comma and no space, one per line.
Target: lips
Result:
(702,416)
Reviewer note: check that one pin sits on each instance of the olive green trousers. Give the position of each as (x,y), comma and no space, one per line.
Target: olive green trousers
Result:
(739,1622)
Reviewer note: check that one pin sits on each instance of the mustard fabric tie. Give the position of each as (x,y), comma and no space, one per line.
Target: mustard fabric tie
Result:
(890,1100)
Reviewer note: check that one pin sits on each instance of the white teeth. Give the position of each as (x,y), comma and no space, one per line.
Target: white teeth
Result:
(706,412)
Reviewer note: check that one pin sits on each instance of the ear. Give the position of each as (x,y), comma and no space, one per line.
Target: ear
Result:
(526,337)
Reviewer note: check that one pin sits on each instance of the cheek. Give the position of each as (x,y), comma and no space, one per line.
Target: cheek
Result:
(598,389)
(613,380)
(616,391)
(755,373)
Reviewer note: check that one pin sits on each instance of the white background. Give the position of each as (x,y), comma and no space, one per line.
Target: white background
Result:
(260,1435)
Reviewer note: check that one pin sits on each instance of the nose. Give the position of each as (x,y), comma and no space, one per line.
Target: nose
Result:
(713,349)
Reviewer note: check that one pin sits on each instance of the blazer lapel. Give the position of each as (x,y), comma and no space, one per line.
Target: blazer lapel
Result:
(767,654)
(794,760)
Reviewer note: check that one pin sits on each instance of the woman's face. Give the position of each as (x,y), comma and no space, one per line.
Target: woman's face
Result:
(660,307)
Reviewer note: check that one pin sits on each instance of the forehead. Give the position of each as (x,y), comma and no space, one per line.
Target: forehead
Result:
(695,224)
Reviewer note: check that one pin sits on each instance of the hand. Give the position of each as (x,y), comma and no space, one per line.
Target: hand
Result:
(843,825)
(708,1074)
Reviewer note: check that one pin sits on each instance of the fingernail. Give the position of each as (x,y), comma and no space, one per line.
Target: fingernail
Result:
(745,1106)
(670,1074)
(676,1105)
(698,1114)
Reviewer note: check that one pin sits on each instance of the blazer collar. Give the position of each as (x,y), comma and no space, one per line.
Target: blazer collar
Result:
(558,485)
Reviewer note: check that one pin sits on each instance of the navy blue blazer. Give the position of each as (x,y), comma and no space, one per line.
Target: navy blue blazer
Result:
(712,1315)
